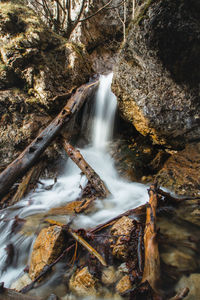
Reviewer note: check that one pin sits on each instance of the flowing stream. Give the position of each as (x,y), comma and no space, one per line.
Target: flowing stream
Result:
(18,237)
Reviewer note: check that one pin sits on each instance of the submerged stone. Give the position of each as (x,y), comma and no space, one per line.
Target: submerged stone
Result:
(83,283)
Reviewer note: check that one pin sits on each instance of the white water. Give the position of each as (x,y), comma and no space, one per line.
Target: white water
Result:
(125,195)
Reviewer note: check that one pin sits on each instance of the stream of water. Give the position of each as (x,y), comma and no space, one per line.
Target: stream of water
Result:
(124,194)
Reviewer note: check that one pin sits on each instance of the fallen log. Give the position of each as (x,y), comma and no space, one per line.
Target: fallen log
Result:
(152,260)
(92,176)
(31,154)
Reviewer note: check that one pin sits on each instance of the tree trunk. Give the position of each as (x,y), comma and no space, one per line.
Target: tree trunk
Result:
(92,176)
(31,154)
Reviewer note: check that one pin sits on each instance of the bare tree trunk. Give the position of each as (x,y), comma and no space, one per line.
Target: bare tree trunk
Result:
(31,154)
(92,176)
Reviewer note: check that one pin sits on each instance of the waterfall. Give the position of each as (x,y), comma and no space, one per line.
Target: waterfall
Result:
(124,194)
(105,108)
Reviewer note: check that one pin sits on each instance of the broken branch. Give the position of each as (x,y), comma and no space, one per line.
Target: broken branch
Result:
(91,175)
(152,260)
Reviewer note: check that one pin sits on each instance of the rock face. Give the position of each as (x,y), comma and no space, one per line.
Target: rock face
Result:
(181,172)
(36,66)
(48,246)
(157,76)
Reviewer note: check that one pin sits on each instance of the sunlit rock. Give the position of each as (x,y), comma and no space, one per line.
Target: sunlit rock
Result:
(47,247)
(83,283)
(121,231)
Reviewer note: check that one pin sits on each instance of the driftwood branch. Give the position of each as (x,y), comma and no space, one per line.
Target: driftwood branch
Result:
(152,260)
(87,246)
(31,154)
(91,175)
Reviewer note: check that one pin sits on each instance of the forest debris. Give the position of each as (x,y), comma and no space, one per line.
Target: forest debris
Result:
(124,284)
(92,176)
(83,283)
(152,259)
(181,295)
(121,229)
(87,246)
(31,154)
(47,247)
(28,182)
(73,207)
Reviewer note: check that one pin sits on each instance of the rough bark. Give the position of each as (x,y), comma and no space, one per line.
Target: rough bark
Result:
(152,259)
(31,154)
(91,175)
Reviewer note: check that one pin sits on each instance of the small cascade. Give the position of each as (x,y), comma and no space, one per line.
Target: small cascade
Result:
(105,108)
(124,194)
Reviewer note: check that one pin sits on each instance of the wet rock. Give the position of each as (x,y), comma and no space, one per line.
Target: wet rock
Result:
(47,247)
(20,283)
(109,275)
(181,172)
(83,283)
(158,89)
(192,282)
(123,285)
(181,260)
(121,230)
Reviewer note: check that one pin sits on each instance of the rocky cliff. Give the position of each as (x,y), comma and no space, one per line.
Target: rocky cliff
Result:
(38,69)
(157,77)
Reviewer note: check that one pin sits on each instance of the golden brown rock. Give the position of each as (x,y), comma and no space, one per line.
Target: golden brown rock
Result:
(123,285)
(180,172)
(83,283)
(48,246)
(121,228)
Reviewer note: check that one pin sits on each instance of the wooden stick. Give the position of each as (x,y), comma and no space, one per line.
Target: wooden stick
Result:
(152,260)
(181,295)
(91,175)
(85,244)
(31,154)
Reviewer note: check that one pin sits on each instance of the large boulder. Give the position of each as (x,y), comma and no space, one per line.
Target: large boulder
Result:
(157,77)
(38,69)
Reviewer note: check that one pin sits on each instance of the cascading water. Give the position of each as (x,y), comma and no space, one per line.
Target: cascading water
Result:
(124,194)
